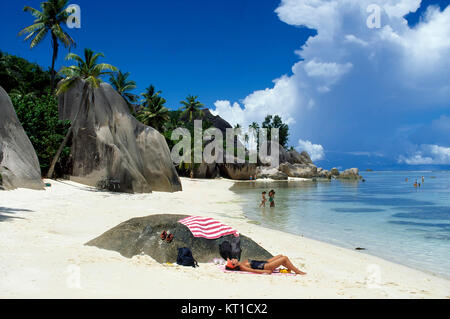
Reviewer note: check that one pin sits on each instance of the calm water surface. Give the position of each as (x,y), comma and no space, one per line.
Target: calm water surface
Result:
(386,215)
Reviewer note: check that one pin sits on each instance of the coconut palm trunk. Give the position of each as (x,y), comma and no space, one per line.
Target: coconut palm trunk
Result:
(88,71)
(84,101)
(55,55)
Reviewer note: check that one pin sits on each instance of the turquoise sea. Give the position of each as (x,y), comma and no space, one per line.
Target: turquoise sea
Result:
(386,215)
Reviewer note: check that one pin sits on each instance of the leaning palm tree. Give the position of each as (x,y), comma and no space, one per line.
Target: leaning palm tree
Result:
(119,81)
(90,72)
(154,113)
(191,106)
(53,13)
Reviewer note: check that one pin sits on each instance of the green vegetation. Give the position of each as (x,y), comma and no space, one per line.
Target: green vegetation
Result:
(32,92)
(191,106)
(39,118)
(29,87)
(17,75)
(153,112)
(53,13)
(276,122)
(120,82)
(91,72)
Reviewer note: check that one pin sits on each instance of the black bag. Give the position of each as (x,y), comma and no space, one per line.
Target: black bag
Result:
(231,249)
(185,258)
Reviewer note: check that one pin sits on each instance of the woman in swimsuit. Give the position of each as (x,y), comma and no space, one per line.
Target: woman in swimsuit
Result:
(271,198)
(263,267)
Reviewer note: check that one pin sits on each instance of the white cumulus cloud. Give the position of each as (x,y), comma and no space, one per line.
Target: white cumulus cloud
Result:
(428,154)
(350,76)
(315,151)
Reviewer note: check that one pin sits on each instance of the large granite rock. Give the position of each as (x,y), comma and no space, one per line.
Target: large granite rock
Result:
(271,173)
(111,149)
(237,171)
(19,165)
(334,172)
(142,235)
(323,173)
(351,174)
(208,171)
(299,170)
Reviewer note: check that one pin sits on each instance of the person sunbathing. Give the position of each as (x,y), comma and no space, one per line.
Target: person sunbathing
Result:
(263,267)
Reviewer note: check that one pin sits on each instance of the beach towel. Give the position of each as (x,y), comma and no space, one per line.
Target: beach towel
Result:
(208,228)
(276,272)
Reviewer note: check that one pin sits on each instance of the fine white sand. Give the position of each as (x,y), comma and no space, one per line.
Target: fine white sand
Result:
(42,252)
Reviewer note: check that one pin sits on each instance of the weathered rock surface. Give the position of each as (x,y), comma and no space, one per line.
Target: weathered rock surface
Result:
(19,164)
(111,149)
(271,173)
(352,173)
(334,172)
(205,170)
(142,235)
(299,170)
(237,171)
(323,173)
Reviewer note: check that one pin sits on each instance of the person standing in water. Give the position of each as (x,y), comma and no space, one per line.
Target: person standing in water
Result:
(264,200)
(272,198)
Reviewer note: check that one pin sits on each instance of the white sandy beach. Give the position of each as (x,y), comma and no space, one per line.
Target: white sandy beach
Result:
(42,252)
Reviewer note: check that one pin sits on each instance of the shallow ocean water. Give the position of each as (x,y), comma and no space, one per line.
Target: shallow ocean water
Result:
(386,215)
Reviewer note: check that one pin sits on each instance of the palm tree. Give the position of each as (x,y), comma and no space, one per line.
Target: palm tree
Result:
(191,106)
(53,13)
(154,113)
(255,128)
(91,72)
(123,86)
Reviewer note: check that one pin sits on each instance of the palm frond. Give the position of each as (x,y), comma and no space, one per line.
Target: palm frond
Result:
(34,12)
(39,38)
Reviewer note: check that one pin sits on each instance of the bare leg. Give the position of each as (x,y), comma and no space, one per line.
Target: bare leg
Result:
(283,261)
(274,258)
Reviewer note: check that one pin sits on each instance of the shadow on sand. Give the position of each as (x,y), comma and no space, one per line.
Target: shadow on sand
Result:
(9,211)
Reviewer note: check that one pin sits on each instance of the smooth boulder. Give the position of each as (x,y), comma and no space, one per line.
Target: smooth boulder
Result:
(19,164)
(350,174)
(142,236)
(111,149)
(270,173)
(237,171)
(299,170)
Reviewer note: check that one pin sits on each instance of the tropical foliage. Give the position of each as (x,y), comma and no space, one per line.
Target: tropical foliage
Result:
(22,76)
(153,112)
(48,21)
(276,122)
(191,107)
(39,118)
(120,82)
(90,71)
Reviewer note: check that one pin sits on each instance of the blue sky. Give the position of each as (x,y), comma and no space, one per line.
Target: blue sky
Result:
(214,49)
(353,96)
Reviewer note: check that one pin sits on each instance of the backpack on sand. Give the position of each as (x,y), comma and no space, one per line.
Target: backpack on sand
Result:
(185,258)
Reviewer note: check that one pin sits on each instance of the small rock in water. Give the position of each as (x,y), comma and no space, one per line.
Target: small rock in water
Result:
(359,248)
